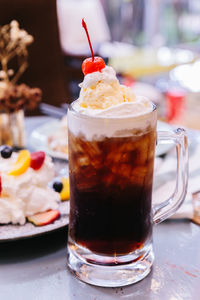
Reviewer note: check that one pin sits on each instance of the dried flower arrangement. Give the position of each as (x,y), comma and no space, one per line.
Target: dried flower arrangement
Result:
(13,45)
(14,98)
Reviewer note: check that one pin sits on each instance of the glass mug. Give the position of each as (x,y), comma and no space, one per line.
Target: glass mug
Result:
(111,213)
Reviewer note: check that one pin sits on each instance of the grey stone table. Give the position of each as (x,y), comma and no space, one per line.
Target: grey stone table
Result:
(35,269)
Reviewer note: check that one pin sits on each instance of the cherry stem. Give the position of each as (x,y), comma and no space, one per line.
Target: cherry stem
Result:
(88,37)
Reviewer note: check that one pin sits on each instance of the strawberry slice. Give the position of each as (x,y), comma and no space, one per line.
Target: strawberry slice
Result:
(37,159)
(44,218)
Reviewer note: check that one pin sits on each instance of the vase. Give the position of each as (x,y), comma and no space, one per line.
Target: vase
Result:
(12,130)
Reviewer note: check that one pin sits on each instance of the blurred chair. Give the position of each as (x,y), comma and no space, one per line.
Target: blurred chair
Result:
(39,18)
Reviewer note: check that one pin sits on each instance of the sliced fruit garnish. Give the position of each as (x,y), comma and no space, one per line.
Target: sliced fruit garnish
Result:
(44,218)
(22,163)
(37,159)
(64,194)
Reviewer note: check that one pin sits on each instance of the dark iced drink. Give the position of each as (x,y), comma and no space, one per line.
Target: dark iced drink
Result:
(111,191)
(112,139)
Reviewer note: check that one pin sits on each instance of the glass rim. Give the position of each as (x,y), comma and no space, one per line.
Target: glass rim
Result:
(84,116)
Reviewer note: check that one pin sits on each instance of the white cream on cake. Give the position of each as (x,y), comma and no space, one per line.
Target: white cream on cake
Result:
(103,97)
(26,194)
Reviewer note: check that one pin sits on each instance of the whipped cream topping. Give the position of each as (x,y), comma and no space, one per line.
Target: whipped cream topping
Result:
(140,106)
(107,75)
(115,109)
(101,90)
(26,194)
(102,95)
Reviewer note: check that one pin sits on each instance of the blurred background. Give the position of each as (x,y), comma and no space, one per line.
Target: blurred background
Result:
(153,45)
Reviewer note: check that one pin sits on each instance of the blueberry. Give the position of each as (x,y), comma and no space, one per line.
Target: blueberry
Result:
(6,151)
(58,186)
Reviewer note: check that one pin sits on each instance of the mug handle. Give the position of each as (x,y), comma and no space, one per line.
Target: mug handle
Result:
(165,209)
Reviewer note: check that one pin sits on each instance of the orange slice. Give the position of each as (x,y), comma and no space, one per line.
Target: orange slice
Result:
(64,194)
(22,163)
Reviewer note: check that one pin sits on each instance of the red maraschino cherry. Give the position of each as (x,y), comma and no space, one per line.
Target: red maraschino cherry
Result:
(90,66)
(94,63)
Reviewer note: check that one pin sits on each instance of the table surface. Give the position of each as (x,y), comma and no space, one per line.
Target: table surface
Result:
(35,269)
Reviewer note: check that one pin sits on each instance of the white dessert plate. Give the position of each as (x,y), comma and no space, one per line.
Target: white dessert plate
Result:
(16,232)
(39,139)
